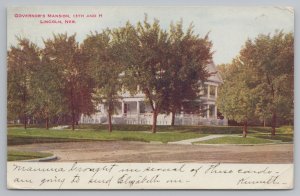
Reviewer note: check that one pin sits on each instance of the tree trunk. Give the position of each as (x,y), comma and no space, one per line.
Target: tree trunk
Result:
(245,129)
(24,106)
(25,121)
(109,123)
(173,118)
(72,107)
(154,122)
(47,122)
(274,119)
(73,121)
(264,122)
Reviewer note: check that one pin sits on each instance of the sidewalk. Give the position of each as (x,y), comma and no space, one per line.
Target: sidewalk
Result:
(191,141)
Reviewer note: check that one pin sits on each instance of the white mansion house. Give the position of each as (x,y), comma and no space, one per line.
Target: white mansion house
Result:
(134,109)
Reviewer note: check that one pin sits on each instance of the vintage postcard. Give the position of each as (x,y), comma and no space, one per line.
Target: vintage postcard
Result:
(118,97)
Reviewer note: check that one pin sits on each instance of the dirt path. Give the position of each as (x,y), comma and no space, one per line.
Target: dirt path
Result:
(125,151)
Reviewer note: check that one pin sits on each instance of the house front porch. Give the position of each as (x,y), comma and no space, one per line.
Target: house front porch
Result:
(138,112)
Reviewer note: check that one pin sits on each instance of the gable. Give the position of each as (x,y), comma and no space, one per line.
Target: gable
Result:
(214,74)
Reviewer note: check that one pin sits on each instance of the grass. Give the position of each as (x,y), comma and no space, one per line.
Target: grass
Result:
(235,140)
(69,135)
(18,155)
(18,135)
(164,128)
(283,134)
(195,129)
(279,137)
(16,140)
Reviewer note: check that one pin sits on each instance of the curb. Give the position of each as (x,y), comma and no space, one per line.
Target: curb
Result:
(51,158)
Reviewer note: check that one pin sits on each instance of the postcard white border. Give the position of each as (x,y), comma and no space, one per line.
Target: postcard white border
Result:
(47,175)
(5,3)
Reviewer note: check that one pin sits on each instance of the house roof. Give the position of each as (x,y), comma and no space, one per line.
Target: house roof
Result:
(214,74)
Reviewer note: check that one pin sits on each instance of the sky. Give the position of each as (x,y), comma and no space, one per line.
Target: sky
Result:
(228,27)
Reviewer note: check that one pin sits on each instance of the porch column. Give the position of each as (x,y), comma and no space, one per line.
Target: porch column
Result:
(208,91)
(216,92)
(138,107)
(216,112)
(207,115)
(123,106)
(138,111)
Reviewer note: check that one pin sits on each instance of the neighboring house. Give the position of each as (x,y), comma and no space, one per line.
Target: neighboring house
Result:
(134,109)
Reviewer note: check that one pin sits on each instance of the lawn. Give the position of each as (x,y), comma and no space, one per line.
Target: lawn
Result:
(279,136)
(235,140)
(182,128)
(86,134)
(18,155)
(165,128)
(283,134)
(18,135)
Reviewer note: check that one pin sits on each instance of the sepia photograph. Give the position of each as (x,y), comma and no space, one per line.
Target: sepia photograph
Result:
(181,85)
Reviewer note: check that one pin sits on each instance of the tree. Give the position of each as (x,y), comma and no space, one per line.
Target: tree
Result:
(147,63)
(105,70)
(167,66)
(236,99)
(48,100)
(143,54)
(64,52)
(272,62)
(22,62)
(188,57)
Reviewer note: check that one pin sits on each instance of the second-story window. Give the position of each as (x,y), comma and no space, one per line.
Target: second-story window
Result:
(212,91)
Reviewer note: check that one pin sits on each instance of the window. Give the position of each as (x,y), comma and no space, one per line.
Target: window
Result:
(203,111)
(142,107)
(212,91)
(204,89)
(125,108)
(211,111)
